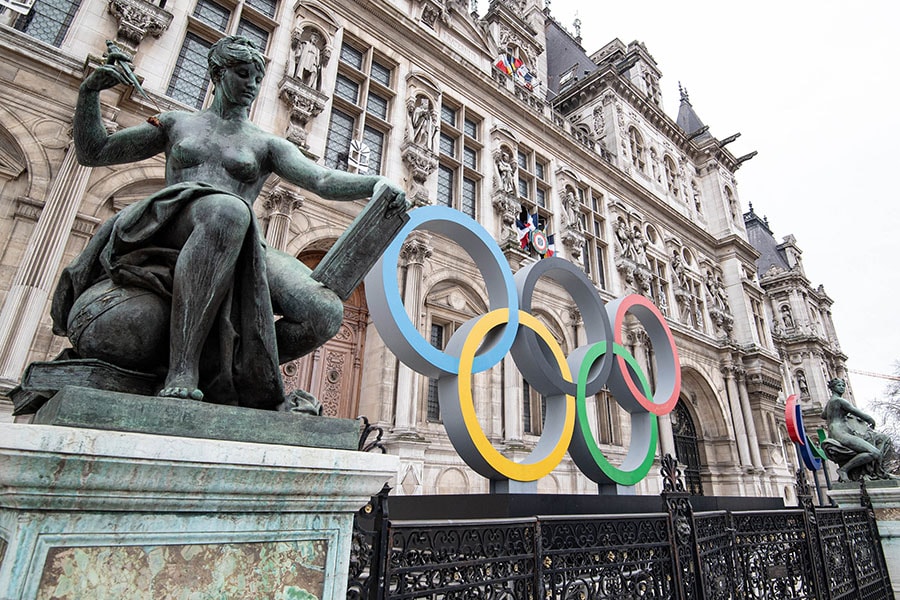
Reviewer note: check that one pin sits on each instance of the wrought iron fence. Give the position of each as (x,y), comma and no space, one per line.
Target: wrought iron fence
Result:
(798,553)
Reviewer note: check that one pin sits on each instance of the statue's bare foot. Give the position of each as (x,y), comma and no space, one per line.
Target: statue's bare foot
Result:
(301,401)
(186,393)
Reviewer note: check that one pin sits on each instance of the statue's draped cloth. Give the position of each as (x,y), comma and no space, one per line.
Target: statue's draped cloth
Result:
(239,362)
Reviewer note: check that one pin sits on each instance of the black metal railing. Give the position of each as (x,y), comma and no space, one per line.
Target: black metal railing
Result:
(800,553)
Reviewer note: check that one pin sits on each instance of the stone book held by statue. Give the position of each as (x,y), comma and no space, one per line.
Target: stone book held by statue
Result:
(361,245)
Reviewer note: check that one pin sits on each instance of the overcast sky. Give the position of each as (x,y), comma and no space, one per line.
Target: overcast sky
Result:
(813,86)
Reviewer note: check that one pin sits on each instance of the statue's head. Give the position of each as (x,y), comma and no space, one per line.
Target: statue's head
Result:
(231,51)
(838,386)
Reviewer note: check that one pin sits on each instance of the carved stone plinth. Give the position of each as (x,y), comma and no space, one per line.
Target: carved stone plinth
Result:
(507,208)
(573,240)
(305,104)
(723,321)
(87,514)
(420,163)
(138,19)
(636,274)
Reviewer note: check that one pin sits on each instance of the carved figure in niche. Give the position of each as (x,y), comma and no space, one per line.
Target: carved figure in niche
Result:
(570,209)
(506,171)
(786,317)
(639,246)
(423,122)
(307,60)
(859,450)
(623,239)
(802,384)
(191,255)
(678,269)
(715,290)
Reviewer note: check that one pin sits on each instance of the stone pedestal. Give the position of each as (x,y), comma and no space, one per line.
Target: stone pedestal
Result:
(885,497)
(86,513)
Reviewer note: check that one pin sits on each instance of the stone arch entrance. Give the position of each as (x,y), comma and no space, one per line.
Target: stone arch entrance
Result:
(333,372)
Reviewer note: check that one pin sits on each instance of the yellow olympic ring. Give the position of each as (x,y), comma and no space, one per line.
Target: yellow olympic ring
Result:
(546,456)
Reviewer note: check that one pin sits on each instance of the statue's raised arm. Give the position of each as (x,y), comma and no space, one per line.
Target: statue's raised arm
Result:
(93,145)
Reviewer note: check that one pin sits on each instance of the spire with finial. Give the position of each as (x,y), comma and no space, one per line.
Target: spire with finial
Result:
(577,26)
(688,120)
(684,93)
(750,206)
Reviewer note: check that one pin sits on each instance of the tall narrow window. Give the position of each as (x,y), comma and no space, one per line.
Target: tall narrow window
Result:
(433,406)
(49,20)
(362,108)
(459,151)
(637,149)
(594,229)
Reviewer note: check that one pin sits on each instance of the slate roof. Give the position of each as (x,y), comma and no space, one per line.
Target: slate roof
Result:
(760,237)
(563,52)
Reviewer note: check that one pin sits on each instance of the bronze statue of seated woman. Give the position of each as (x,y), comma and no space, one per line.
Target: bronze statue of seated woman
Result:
(852,443)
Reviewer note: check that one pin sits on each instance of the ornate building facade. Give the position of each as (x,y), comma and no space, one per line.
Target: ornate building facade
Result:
(492,115)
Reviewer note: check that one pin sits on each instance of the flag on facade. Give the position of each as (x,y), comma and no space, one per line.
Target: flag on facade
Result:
(524,76)
(551,246)
(525,224)
(504,63)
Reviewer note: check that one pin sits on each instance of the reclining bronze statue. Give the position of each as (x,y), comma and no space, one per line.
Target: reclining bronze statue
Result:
(852,443)
(182,284)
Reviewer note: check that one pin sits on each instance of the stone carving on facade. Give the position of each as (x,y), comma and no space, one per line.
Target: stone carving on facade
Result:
(434,11)
(136,20)
(299,89)
(599,121)
(506,169)
(416,249)
(572,235)
(631,256)
(717,304)
(420,163)
(310,56)
(305,104)
(422,122)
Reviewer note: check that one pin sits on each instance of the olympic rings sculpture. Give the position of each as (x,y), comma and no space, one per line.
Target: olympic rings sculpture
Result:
(812,455)
(509,327)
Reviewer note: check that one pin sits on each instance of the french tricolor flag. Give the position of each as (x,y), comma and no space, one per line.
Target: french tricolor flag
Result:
(551,246)
(525,224)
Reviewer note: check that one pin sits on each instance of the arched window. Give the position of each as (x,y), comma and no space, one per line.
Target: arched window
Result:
(731,202)
(637,149)
(671,175)
(686,448)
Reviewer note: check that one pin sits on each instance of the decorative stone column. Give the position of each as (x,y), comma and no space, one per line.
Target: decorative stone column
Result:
(415,250)
(507,209)
(748,418)
(737,420)
(138,19)
(36,275)
(280,205)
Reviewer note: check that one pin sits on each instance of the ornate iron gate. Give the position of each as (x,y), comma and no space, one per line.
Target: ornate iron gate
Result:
(799,553)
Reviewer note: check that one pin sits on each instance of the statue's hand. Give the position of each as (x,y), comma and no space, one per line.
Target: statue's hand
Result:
(398,202)
(103,78)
